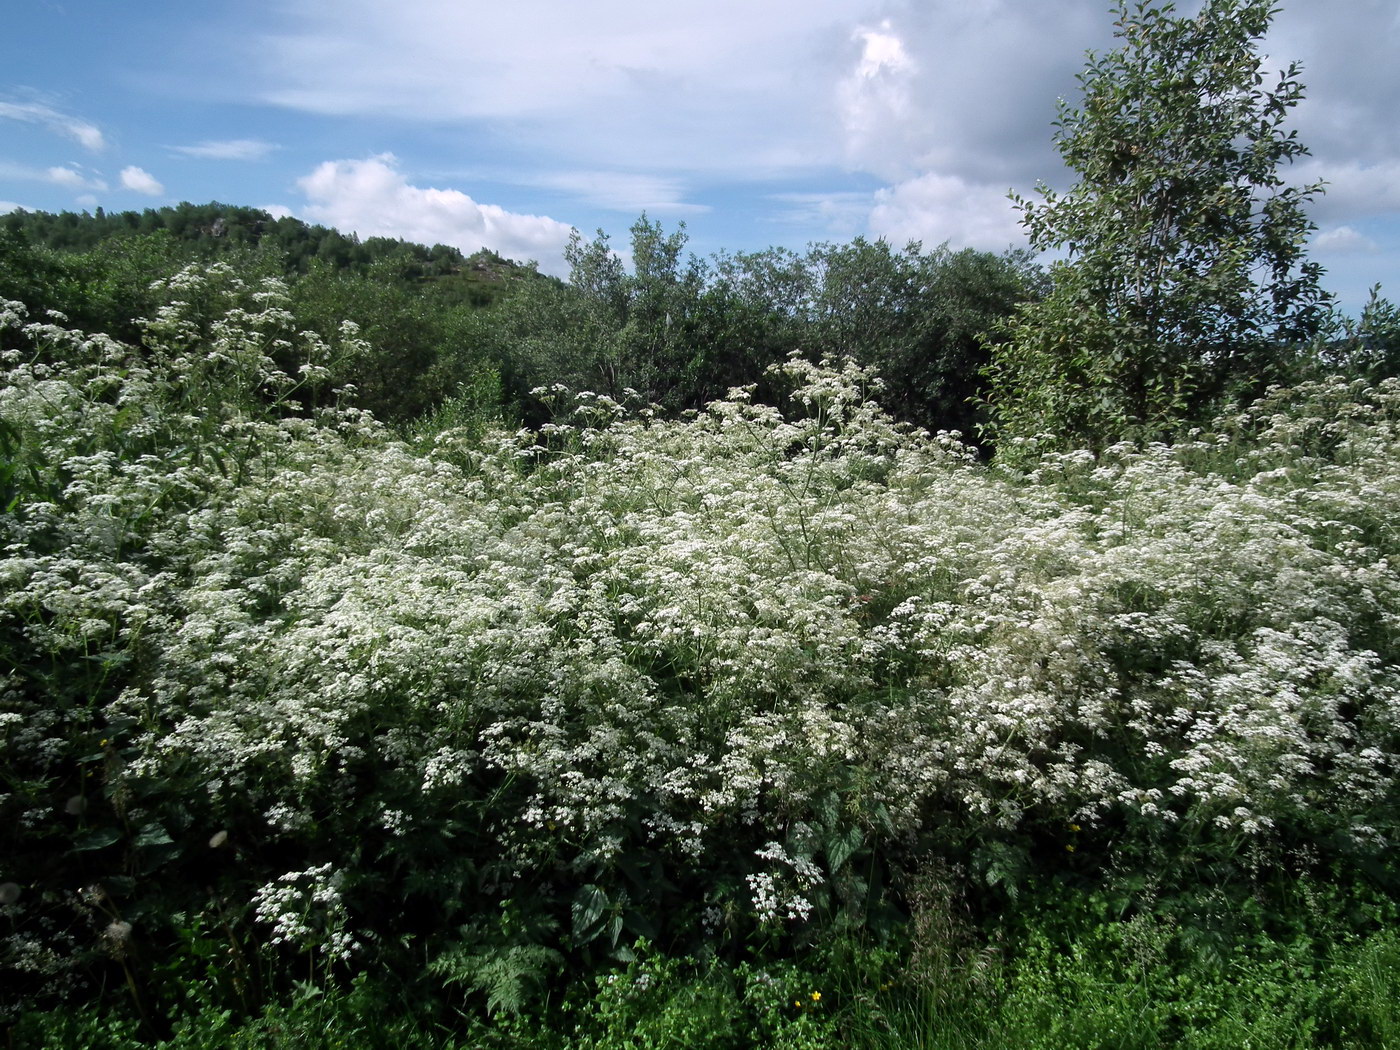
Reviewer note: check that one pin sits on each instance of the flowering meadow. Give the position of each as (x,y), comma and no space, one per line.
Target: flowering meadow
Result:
(289,696)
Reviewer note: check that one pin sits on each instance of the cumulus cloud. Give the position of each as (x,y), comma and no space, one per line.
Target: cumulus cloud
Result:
(69,176)
(8,206)
(373,198)
(89,135)
(227,149)
(876,99)
(1343,240)
(966,89)
(934,208)
(733,88)
(134,178)
(66,177)
(702,90)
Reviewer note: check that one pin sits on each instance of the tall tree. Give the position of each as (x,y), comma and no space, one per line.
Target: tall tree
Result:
(1185,274)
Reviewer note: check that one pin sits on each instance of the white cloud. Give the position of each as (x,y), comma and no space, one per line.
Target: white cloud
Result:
(8,206)
(877,105)
(694,85)
(277,211)
(842,213)
(730,88)
(882,53)
(935,208)
(66,177)
(974,93)
(622,191)
(1353,189)
(1343,240)
(372,198)
(703,90)
(87,200)
(134,178)
(227,149)
(89,135)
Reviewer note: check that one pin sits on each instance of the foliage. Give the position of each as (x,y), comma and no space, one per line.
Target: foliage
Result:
(1076,980)
(610,330)
(419,308)
(426,348)
(1186,277)
(682,332)
(214,231)
(720,682)
(924,321)
(676,330)
(1369,347)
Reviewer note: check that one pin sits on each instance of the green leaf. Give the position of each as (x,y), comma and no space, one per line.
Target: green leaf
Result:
(98,838)
(589,907)
(840,845)
(152,835)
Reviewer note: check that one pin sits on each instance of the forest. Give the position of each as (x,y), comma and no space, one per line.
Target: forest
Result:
(869,646)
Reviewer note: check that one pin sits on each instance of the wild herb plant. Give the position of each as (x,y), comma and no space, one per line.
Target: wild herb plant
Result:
(724,682)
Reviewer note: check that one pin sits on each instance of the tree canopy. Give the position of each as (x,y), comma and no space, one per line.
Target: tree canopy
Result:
(1185,272)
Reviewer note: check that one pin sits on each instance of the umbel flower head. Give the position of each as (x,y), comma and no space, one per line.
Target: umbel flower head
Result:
(116,937)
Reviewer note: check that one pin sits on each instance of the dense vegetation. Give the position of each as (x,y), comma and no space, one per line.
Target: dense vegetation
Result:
(620,662)
(678,330)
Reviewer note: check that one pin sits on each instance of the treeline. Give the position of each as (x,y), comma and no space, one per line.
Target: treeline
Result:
(213,229)
(681,331)
(415,304)
(674,329)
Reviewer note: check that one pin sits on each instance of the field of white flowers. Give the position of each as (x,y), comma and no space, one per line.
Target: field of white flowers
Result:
(269,668)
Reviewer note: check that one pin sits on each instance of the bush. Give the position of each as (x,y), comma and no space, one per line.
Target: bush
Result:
(348,705)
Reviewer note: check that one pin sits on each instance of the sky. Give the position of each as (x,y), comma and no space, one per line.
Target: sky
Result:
(753,122)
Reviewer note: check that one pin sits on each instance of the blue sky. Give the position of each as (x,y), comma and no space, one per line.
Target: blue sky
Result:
(756,123)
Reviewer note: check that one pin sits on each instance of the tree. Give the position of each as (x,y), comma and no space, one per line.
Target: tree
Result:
(659,350)
(1185,278)
(919,318)
(609,330)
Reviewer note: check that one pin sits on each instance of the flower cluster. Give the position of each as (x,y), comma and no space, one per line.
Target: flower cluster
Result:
(749,631)
(305,908)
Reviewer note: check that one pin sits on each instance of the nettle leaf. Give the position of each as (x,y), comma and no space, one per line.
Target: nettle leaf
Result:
(840,845)
(588,910)
(98,838)
(152,835)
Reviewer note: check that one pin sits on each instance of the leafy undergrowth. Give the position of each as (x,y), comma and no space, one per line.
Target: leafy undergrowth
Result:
(1073,980)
